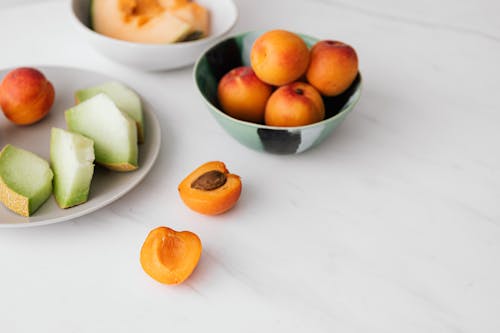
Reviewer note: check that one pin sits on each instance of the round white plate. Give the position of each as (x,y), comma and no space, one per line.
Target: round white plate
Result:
(107,186)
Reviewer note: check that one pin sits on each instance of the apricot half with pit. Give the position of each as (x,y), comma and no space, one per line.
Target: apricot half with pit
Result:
(170,256)
(210,189)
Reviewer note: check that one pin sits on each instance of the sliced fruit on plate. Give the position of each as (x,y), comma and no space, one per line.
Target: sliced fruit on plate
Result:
(125,98)
(114,133)
(25,180)
(72,161)
(138,21)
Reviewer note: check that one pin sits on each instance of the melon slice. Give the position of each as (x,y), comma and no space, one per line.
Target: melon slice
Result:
(113,132)
(125,98)
(72,161)
(141,21)
(197,16)
(25,180)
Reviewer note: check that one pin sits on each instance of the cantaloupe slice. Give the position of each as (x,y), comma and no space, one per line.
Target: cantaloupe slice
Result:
(113,132)
(197,16)
(72,161)
(25,180)
(125,98)
(141,21)
(172,4)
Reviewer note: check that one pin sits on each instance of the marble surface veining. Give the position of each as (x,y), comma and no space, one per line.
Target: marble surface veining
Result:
(391,225)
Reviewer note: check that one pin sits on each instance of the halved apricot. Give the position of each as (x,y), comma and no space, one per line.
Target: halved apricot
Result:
(210,189)
(170,256)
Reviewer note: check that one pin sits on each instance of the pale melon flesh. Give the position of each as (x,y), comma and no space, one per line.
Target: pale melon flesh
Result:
(25,180)
(114,133)
(125,98)
(154,25)
(72,161)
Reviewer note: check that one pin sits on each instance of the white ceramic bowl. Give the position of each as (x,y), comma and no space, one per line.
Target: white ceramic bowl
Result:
(152,57)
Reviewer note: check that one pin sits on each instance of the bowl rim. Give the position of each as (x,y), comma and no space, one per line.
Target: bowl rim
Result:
(209,39)
(344,110)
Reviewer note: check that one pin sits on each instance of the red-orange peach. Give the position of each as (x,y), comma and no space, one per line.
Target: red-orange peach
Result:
(26,96)
(279,57)
(333,67)
(243,95)
(295,104)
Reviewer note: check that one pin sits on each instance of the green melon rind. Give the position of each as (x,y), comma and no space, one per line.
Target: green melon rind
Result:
(125,98)
(71,159)
(114,133)
(25,180)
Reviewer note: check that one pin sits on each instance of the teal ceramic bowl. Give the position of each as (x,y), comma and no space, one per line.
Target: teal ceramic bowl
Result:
(233,52)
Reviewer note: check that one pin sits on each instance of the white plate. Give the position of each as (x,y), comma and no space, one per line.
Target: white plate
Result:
(107,186)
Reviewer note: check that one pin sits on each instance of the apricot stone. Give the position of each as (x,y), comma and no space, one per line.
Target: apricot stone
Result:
(243,95)
(26,96)
(333,67)
(279,57)
(295,104)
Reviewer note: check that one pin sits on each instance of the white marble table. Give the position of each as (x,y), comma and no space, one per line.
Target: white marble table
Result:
(392,225)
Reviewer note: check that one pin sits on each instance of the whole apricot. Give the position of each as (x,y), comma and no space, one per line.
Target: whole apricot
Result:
(333,67)
(295,104)
(210,189)
(279,57)
(170,256)
(243,95)
(26,96)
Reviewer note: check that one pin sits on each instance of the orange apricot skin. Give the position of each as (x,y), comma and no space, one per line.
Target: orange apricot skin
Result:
(242,95)
(279,57)
(295,104)
(26,96)
(212,202)
(333,67)
(170,256)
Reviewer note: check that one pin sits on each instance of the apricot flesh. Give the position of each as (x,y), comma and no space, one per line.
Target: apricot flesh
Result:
(295,104)
(26,95)
(170,256)
(279,57)
(210,189)
(242,95)
(333,67)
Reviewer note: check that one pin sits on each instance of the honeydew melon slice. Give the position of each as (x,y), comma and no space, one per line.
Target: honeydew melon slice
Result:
(113,132)
(25,180)
(72,161)
(125,98)
(137,21)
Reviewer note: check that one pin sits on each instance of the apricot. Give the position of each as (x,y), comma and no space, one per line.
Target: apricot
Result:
(26,96)
(170,256)
(243,95)
(333,67)
(295,104)
(279,57)
(210,189)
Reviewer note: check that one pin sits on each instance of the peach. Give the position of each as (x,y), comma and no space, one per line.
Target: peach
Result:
(243,95)
(26,96)
(279,57)
(295,104)
(333,67)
